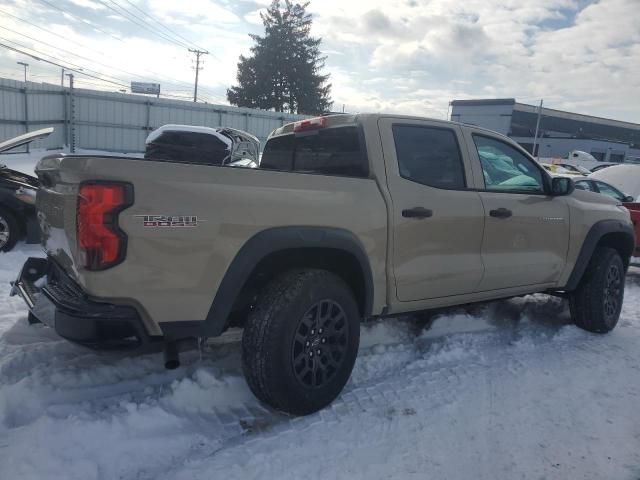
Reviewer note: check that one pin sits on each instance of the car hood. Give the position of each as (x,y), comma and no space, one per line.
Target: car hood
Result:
(16,179)
(24,139)
(625,178)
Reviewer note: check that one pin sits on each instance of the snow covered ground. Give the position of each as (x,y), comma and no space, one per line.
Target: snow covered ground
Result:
(508,390)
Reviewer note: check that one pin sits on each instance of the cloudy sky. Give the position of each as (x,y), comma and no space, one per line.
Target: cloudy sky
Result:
(407,56)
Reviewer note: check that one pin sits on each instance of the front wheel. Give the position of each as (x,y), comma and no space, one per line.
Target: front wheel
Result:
(301,340)
(596,303)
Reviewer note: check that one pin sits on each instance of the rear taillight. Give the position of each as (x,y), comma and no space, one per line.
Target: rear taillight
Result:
(101,243)
(310,124)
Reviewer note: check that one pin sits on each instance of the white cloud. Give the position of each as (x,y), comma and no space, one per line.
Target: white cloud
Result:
(496,47)
(88,4)
(206,11)
(409,56)
(253,17)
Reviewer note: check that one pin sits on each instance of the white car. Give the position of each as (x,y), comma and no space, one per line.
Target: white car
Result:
(625,177)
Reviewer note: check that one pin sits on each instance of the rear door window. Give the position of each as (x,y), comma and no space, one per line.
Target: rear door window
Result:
(332,151)
(429,156)
(278,153)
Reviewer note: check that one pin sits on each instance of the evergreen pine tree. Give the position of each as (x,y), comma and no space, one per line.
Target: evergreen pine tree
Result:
(283,71)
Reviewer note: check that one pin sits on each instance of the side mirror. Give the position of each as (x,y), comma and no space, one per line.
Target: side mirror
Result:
(628,199)
(561,186)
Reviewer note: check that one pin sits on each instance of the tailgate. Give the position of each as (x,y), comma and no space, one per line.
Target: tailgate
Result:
(56,203)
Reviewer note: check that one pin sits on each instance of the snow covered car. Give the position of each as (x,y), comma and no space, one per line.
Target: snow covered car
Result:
(18,197)
(203,145)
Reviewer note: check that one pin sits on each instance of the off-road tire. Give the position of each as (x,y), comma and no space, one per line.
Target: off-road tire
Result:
(596,304)
(8,221)
(272,338)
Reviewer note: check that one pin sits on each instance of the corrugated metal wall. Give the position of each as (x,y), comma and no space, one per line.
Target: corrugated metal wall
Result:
(115,121)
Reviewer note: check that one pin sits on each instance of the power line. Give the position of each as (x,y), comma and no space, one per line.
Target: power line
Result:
(141,23)
(76,70)
(170,80)
(69,52)
(61,60)
(36,57)
(147,26)
(161,24)
(127,14)
(77,18)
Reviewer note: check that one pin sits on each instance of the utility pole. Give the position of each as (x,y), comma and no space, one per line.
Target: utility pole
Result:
(25,65)
(535,137)
(198,54)
(26,100)
(62,78)
(72,116)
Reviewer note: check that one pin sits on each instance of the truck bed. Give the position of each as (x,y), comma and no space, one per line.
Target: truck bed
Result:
(227,205)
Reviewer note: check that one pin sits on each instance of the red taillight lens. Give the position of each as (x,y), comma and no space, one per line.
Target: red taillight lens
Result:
(101,243)
(310,124)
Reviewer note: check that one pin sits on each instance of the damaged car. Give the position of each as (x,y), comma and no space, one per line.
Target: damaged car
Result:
(18,197)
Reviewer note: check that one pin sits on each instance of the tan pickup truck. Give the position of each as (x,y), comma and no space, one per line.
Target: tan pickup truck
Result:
(347,218)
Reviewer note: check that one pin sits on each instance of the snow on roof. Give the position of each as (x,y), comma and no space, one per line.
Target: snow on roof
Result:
(188,128)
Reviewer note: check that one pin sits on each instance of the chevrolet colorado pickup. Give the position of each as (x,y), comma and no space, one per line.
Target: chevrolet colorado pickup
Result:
(347,218)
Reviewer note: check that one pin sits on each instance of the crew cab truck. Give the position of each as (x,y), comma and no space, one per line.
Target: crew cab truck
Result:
(348,217)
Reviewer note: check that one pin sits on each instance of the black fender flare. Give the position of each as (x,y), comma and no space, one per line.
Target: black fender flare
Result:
(595,234)
(251,253)
(271,241)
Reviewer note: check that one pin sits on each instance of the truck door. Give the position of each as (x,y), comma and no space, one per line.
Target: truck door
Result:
(526,234)
(437,222)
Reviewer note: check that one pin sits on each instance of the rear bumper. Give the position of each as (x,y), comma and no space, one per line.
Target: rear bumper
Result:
(56,300)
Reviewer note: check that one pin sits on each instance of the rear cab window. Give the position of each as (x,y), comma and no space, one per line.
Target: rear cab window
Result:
(337,151)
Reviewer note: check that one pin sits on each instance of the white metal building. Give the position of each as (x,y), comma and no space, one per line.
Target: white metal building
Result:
(110,121)
(559,132)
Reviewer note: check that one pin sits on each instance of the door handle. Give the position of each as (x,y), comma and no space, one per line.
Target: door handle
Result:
(501,213)
(417,212)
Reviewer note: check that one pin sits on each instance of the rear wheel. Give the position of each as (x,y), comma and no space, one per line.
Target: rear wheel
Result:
(301,341)
(597,302)
(8,230)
